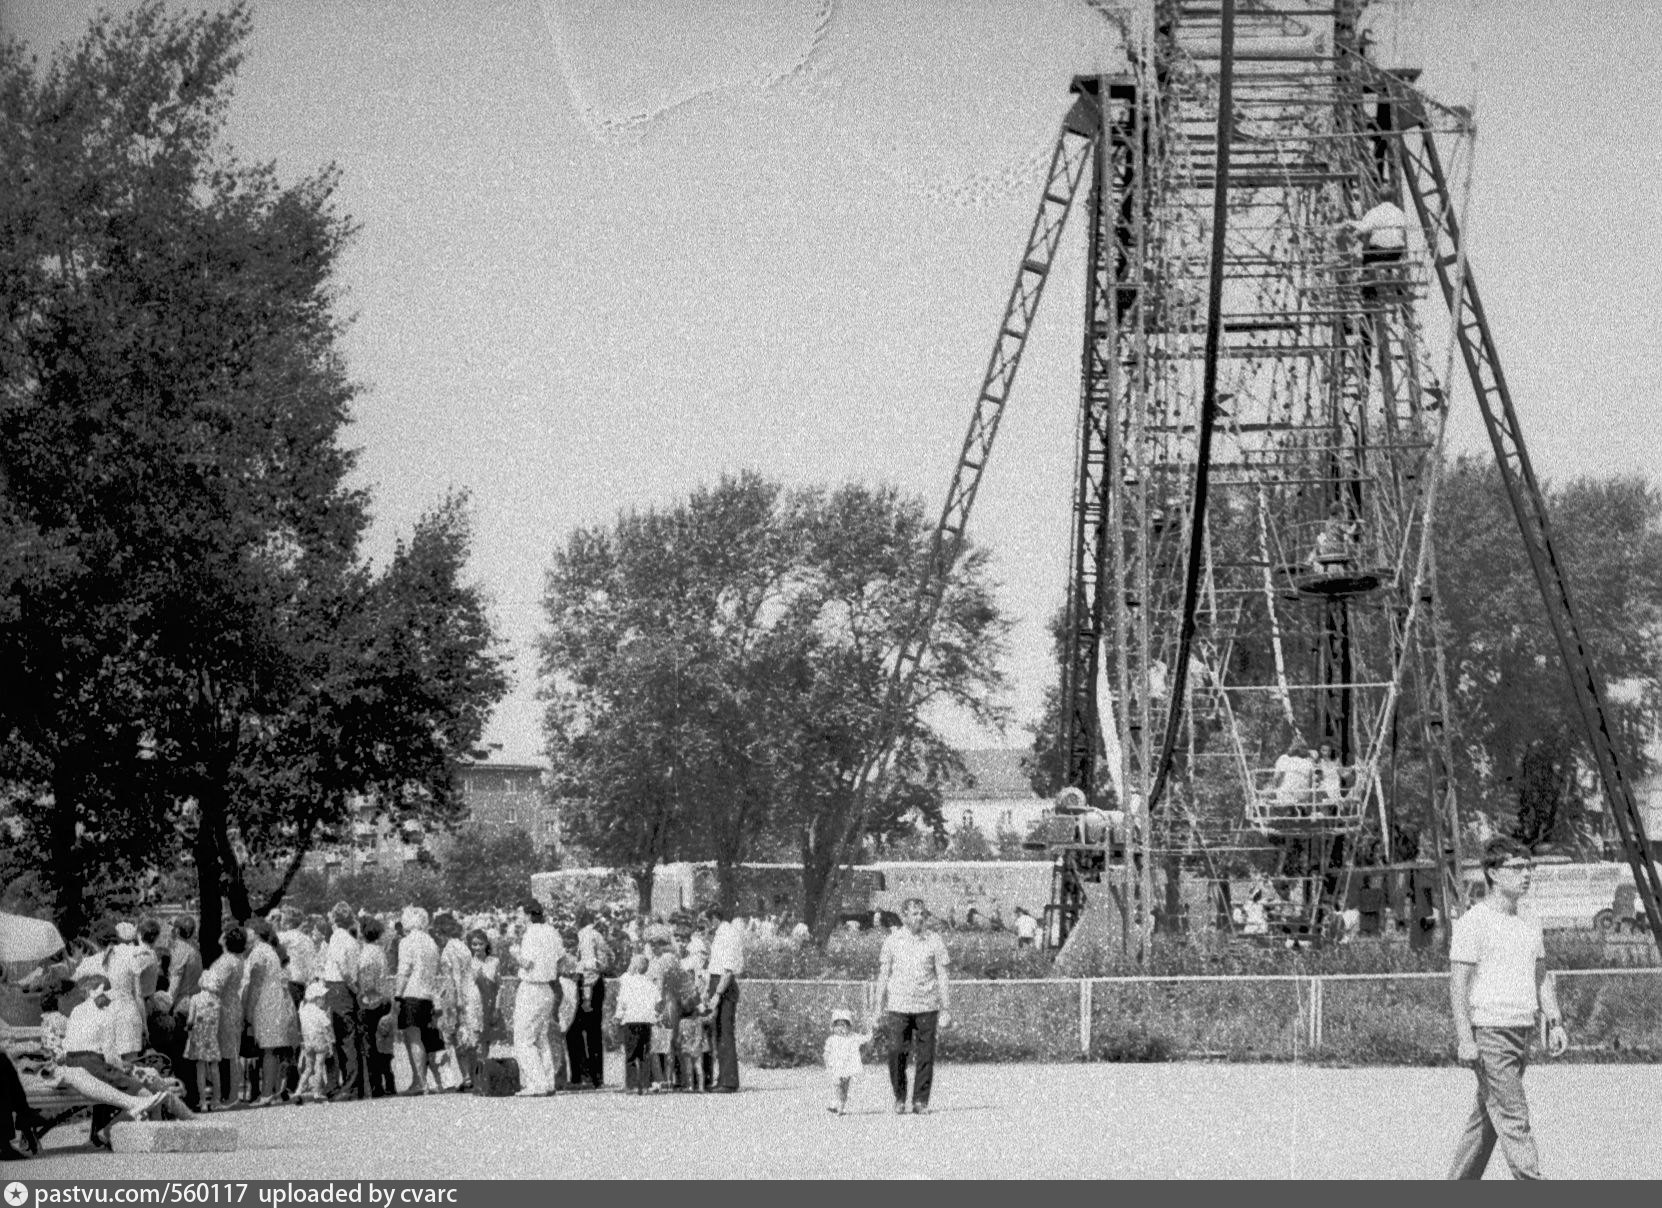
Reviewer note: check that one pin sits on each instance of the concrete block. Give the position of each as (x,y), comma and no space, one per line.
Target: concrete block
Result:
(172,1136)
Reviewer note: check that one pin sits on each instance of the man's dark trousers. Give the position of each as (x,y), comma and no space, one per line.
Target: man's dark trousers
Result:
(585,1051)
(727,1040)
(911,1034)
(342,1004)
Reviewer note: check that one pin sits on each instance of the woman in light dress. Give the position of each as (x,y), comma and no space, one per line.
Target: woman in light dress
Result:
(224,979)
(269,1010)
(116,954)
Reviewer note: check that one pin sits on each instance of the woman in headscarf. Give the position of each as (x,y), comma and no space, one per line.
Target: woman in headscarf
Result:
(224,978)
(270,1012)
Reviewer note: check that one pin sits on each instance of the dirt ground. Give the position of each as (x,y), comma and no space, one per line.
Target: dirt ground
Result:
(990,1121)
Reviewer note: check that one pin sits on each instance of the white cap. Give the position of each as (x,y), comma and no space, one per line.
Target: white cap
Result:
(842,1017)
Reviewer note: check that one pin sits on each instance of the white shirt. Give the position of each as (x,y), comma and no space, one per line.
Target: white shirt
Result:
(302,954)
(727,950)
(588,948)
(90,1030)
(916,966)
(317,1033)
(1383,226)
(540,950)
(1293,774)
(340,958)
(418,966)
(1027,927)
(638,997)
(1504,948)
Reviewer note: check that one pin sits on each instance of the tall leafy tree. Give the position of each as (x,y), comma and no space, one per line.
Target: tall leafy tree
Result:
(1523,757)
(863,549)
(717,673)
(657,649)
(201,656)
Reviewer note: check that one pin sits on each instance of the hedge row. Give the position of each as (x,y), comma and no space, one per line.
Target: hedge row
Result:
(1384,1021)
(993,956)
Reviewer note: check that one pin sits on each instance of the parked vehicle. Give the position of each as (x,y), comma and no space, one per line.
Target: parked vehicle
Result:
(1566,895)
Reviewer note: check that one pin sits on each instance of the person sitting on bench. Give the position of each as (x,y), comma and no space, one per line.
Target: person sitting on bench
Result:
(85,1065)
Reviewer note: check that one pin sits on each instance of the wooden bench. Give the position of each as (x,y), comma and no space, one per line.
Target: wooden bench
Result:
(55,1101)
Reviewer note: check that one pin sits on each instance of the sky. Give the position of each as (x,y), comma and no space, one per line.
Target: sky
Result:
(613,249)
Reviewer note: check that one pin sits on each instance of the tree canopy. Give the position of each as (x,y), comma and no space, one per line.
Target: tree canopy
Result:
(1522,757)
(200,662)
(716,673)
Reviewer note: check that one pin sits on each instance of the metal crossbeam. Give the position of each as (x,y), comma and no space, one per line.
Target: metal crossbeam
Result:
(1423,172)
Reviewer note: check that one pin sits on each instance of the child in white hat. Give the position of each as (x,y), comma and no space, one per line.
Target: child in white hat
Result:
(317,1038)
(842,1057)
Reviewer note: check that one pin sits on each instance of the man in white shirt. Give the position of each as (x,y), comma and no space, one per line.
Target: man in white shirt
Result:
(1027,929)
(1498,983)
(1383,232)
(340,981)
(913,993)
(302,952)
(88,1041)
(539,956)
(721,994)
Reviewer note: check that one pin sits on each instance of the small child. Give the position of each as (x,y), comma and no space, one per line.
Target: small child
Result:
(842,1057)
(317,1040)
(202,1045)
(637,1010)
(691,1030)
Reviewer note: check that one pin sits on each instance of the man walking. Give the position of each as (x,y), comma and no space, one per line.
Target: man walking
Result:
(722,995)
(912,990)
(1497,983)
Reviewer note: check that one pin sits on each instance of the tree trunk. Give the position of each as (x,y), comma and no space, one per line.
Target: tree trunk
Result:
(236,889)
(209,915)
(302,847)
(727,883)
(642,876)
(820,884)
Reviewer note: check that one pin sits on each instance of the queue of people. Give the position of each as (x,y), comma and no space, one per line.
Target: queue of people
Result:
(297,1009)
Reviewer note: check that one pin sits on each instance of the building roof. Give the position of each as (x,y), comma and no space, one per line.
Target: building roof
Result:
(991,773)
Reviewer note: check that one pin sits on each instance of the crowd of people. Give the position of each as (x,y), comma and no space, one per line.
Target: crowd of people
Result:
(304,1009)
(299,1009)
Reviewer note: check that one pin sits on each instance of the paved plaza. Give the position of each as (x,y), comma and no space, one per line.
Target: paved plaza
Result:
(990,1121)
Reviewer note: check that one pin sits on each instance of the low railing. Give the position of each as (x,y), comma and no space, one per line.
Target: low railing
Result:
(1402,1018)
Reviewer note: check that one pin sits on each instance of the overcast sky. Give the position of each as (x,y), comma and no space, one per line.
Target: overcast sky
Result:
(614,248)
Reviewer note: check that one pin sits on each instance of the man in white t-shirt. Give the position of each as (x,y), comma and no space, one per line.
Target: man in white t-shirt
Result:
(1027,929)
(1497,983)
(913,993)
